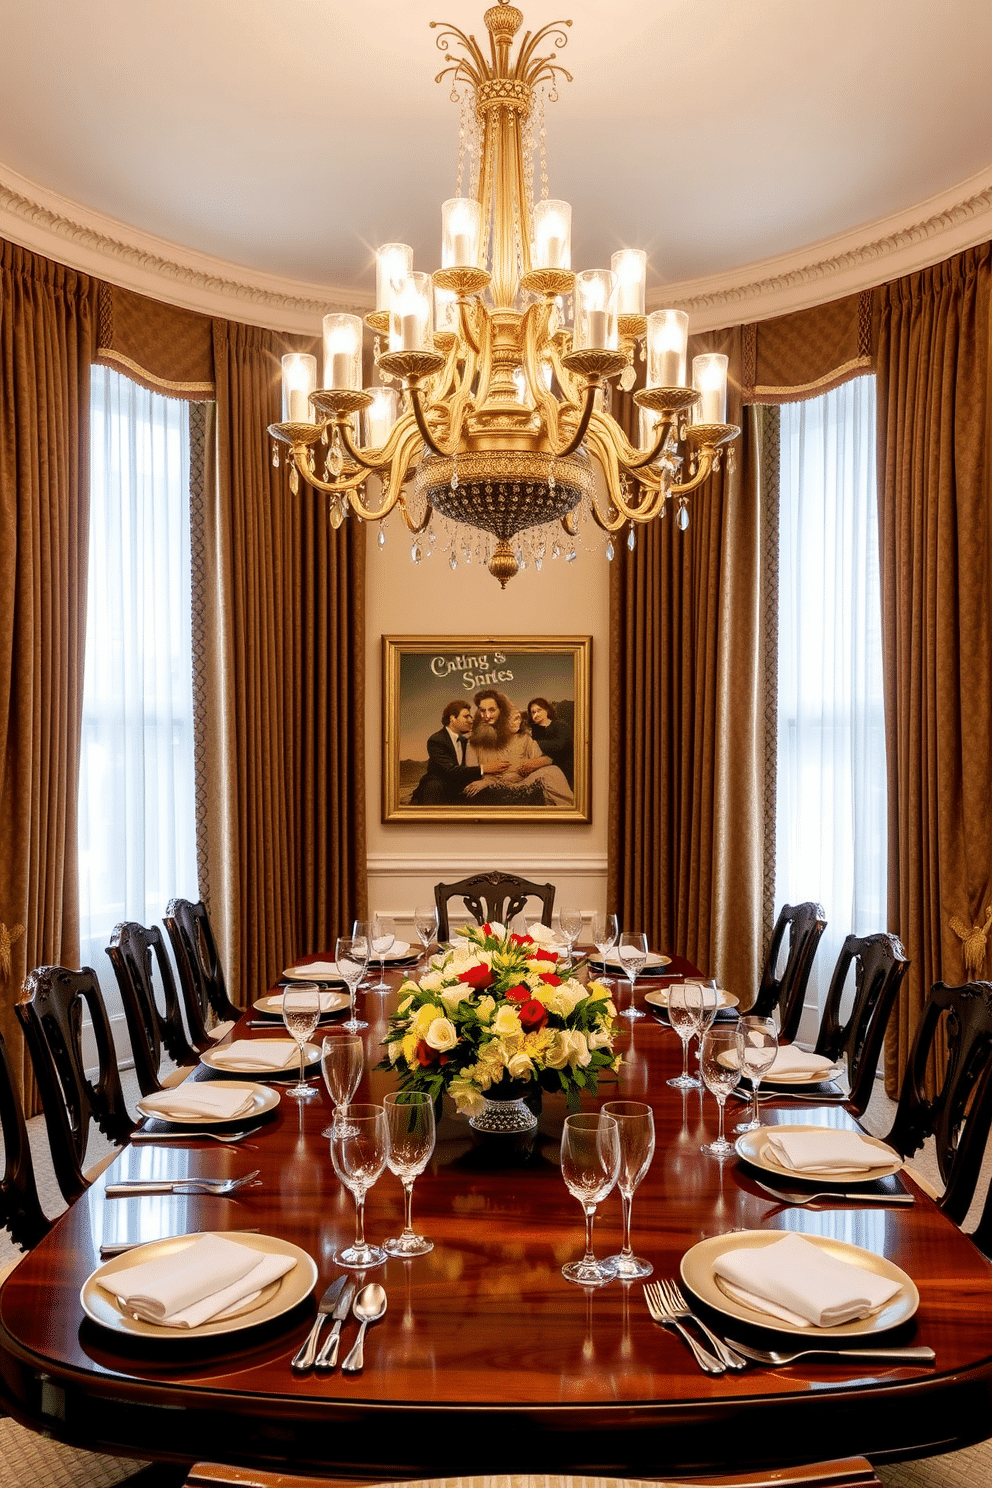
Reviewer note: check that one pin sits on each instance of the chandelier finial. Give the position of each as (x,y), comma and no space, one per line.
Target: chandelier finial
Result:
(503,22)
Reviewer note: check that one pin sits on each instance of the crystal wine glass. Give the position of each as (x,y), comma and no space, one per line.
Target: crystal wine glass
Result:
(605,930)
(705,1003)
(721,1072)
(351,954)
(410,1127)
(635,1121)
(362,930)
(425,923)
(359,1147)
(570,924)
(342,1058)
(301,1014)
(633,954)
(757,1046)
(590,1165)
(683,1005)
(382,939)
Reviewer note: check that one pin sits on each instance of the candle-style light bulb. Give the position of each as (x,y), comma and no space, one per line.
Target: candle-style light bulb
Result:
(461,231)
(342,352)
(668,337)
(380,415)
(595,311)
(393,261)
(299,380)
(411,318)
(552,245)
(709,378)
(630,265)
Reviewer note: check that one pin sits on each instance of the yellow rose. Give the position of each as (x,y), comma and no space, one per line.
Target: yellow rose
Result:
(485,1008)
(410,1042)
(506,1023)
(424,1017)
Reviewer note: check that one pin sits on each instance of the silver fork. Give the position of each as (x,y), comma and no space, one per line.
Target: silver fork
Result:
(835,1196)
(918,1354)
(227,1138)
(674,1299)
(665,1319)
(217,1187)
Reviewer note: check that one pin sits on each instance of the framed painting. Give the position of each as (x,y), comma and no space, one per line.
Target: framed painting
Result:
(483,729)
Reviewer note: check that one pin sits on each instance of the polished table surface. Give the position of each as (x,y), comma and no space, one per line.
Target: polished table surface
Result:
(487,1359)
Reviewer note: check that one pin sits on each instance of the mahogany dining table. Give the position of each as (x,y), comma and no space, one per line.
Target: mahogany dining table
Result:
(487,1360)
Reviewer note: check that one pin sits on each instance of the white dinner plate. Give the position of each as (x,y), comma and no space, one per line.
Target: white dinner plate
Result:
(330,1002)
(784,1080)
(660,998)
(613,963)
(700,1278)
(314,971)
(275,1299)
(755,1148)
(398,951)
(263,1099)
(310,1051)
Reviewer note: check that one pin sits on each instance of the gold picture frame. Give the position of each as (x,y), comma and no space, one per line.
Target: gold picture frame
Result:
(516,767)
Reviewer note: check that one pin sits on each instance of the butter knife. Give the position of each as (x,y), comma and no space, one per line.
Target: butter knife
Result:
(328,1356)
(305,1355)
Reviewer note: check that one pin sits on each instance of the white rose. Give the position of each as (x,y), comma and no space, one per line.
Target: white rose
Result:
(441,1035)
(453,997)
(578,1049)
(557,1054)
(432,981)
(466,1096)
(395,1050)
(598,1040)
(495,928)
(506,1023)
(404,1005)
(519,1066)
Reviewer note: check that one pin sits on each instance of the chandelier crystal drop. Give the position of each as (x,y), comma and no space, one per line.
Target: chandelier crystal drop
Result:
(490,410)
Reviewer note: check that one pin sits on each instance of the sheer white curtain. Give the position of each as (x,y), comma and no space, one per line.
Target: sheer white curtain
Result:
(136,805)
(831,805)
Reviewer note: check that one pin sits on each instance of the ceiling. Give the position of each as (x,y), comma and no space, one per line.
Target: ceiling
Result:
(289,137)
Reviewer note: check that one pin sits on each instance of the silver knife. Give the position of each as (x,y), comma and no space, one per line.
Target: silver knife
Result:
(328,1356)
(305,1355)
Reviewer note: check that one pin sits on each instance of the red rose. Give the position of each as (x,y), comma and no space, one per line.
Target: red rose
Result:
(425,1054)
(521,940)
(540,954)
(533,1016)
(487,929)
(518,994)
(551,978)
(478,977)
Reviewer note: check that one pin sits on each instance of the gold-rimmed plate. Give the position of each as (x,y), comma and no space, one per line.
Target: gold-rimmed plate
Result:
(263,1099)
(612,963)
(330,1002)
(278,1297)
(754,1147)
(311,1055)
(660,998)
(314,971)
(700,1278)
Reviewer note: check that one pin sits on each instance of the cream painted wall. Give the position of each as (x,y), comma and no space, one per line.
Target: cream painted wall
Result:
(406,859)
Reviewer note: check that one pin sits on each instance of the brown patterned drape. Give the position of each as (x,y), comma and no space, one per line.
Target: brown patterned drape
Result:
(686,844)
(47,337)
(935,533)
(283,731)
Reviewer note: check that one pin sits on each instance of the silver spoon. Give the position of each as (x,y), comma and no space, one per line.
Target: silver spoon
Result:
(369,1306)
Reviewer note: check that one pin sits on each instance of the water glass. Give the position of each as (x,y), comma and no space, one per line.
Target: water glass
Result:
(410,1129)
(342,1058)
(359,1148)
(570,925)
(633,953)
(757,1046)
(635,1122)
(604,930)
(351,953)
(721,1072)
(301,1014)
(425,924)
(683,1006)
(590,1166)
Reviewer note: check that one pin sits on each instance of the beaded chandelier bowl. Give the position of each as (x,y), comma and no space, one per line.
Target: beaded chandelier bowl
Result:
(490,409)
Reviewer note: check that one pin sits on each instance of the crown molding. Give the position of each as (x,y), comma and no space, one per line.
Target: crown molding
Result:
(872,254)
(51,225)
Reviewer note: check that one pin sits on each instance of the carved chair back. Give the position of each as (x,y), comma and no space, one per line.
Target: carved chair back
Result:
(804,924)
(880,963)
(201,975)
(20,1208)
(959,1113)
(492,896)
(51,1013)
(130,950)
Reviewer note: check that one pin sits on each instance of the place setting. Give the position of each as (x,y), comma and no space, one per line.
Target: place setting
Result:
(825,1164)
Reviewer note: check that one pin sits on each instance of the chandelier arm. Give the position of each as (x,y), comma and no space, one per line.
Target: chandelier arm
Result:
(706,457)
(532,40)
(416,528)
(641,462)
(583,425)
(393,484)
(485,358)
(446,29)
(536,320)
(468,310)
(330,488)
(426,433)
(648,507)
(566,381)
(459,401)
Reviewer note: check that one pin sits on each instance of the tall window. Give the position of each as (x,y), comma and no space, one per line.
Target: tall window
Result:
(137,843)
(831,806)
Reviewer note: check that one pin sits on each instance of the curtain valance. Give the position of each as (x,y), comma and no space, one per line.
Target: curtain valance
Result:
(166,349)
(792,357)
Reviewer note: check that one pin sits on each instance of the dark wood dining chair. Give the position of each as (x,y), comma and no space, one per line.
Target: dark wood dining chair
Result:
(492,896)
(131,949)
(959,1114)
(201,976)
(880,963)
(51,1013)
(786,992)
(21,1213)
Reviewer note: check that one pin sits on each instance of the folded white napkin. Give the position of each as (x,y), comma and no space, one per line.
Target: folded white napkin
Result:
(190,1286)
(803,1285)
(211,1098)
(824,1150)
(318,969)
(792,1061)
(260,1054)
(397,951)
(543,935)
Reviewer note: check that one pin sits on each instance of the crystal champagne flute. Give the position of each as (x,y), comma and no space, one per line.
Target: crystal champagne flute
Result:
(382,939)
(604,930)
(425,923)
(301,1014)
(359,1147)
(590,1165)
(633,953)
(351,953)
(342,1058)
(721,1072)
(682,1009)
(757,1046)
(410,1128)
(635,1122)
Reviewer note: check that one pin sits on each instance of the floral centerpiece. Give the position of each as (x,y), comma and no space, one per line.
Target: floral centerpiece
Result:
(497,1017)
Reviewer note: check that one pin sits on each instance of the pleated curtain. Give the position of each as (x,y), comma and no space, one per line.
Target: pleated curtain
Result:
(935,535)
(47,338)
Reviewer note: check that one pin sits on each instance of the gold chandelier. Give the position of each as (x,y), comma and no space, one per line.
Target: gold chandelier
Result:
(490,410)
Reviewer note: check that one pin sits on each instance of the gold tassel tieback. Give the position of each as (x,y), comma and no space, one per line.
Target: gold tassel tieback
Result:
(7,938)
(973,941)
